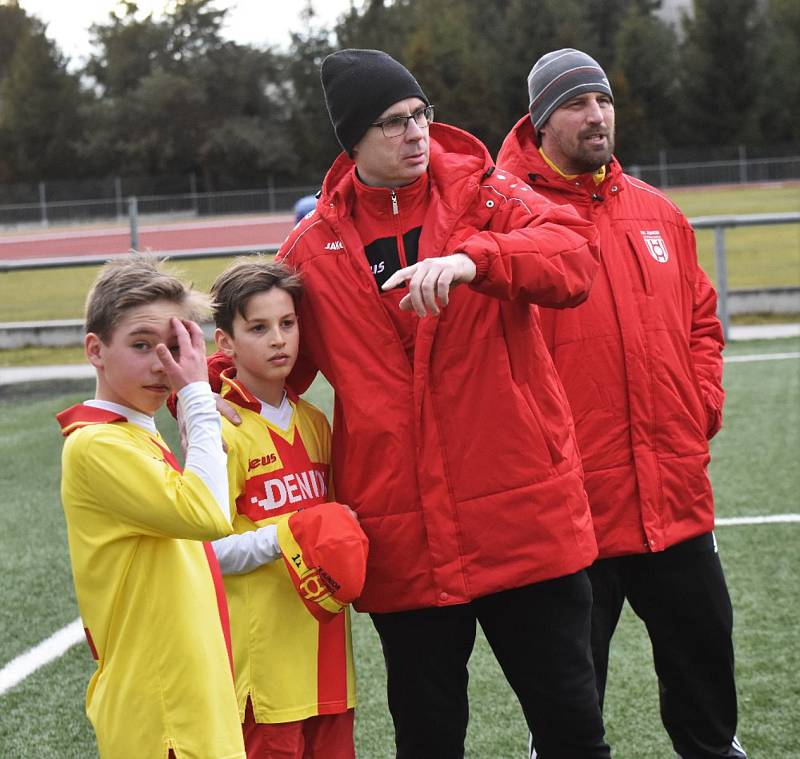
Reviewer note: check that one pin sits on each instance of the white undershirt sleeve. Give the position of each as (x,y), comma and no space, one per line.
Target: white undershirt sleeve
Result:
(205,457)
(239,554)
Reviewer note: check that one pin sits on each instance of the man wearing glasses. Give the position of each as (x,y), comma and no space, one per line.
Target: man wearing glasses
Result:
(452,438)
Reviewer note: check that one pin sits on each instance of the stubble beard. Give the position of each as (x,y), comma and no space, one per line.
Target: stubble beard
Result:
(590,160)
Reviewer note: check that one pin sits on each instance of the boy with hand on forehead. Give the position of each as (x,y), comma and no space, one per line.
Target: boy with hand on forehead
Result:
(295,679)
(149,591)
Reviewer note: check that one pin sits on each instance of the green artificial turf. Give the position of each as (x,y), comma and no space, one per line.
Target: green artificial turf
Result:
(754,470)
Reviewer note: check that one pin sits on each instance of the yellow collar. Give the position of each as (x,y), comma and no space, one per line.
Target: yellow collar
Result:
(598,175)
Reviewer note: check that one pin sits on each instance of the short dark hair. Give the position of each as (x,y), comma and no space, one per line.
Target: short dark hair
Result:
(136,280)
(245,278)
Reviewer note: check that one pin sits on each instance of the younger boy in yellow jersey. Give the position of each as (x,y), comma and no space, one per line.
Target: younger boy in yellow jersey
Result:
(149,592)
(294,675)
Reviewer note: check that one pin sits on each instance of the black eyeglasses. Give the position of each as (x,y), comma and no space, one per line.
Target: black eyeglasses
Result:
(395,126)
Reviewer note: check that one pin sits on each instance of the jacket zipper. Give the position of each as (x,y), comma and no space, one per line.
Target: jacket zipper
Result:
(401,248)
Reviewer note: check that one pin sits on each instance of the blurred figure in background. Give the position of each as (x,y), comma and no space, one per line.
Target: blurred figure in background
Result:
(305,205)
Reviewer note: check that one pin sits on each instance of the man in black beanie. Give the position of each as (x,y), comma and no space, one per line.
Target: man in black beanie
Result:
(641,363)
(452,439)
(359,85)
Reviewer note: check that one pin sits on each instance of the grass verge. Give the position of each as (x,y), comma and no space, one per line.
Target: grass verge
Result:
(754,470)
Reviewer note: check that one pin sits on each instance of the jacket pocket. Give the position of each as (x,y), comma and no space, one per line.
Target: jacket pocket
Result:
(547,431)
(640,263)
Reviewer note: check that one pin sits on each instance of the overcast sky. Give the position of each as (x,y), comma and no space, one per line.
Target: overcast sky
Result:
(253,22)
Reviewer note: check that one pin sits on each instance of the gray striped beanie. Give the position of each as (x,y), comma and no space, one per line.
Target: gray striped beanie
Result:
(558,76)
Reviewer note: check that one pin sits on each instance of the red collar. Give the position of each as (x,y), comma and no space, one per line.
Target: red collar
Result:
(234,391)
(80,415)
(377,201)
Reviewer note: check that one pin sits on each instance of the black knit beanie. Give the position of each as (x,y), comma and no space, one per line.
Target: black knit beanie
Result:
(359,86)
(558,76)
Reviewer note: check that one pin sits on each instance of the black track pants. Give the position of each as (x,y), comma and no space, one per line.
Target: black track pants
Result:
(540,636)
(681,596)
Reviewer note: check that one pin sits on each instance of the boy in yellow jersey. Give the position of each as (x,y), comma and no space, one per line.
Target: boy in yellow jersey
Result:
(294,675)
(149,591)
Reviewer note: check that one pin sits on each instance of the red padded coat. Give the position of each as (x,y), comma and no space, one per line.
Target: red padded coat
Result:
(461,462)
(641,359)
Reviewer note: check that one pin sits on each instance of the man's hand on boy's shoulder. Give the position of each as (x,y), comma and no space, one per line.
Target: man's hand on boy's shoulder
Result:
(227,410)
(189,363)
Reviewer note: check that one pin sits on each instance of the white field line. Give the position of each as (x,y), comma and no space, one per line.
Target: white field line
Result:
(761,357)
(60,642)
(26,664)
(771,519)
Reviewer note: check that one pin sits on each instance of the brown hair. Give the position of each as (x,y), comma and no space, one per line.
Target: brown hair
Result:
(245,278)
(136,280)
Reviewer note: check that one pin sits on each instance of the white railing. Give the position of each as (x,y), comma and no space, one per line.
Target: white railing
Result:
(719,224)
(787,295)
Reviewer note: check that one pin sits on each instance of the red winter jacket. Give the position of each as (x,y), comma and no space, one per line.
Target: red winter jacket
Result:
(641,360)
(461,461)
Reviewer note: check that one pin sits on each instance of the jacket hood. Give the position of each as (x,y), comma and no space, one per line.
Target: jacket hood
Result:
(454,154)
(519,155)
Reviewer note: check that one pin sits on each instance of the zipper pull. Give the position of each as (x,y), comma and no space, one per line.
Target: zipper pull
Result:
(395,209)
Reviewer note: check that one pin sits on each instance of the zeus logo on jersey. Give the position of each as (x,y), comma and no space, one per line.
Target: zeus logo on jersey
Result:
(656,245)
(292,488)
(270,458)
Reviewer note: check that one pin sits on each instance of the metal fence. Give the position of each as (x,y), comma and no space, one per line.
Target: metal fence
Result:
(786,299)
(740,171)
(97,200)
(192,204)
(719,224)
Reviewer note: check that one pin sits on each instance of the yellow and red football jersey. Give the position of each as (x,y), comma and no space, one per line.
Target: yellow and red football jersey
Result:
(291,666)
(147,597)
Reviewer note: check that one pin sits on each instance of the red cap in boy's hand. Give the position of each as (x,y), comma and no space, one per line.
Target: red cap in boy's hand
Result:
(325,551)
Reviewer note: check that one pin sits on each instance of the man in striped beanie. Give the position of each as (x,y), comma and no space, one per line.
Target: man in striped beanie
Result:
(557,78)
(641,363)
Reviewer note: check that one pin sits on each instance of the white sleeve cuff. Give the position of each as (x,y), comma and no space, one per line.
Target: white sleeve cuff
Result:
(239,554)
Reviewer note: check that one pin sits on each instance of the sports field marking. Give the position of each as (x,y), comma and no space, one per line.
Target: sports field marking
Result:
(772,519)
(26,664)
(60,642)
(761,357)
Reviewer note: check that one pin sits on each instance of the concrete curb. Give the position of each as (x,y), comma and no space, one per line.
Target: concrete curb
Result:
(763,331)
(55,333)
(11,375)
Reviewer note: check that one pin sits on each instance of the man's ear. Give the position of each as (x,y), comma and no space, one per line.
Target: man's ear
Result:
(93,348)
(224,342)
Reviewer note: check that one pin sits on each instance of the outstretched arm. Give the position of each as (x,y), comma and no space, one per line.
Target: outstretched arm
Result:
(533,249)
(526,248)
(430,280)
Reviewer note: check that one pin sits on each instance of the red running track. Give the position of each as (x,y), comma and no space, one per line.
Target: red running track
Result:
(196,235)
